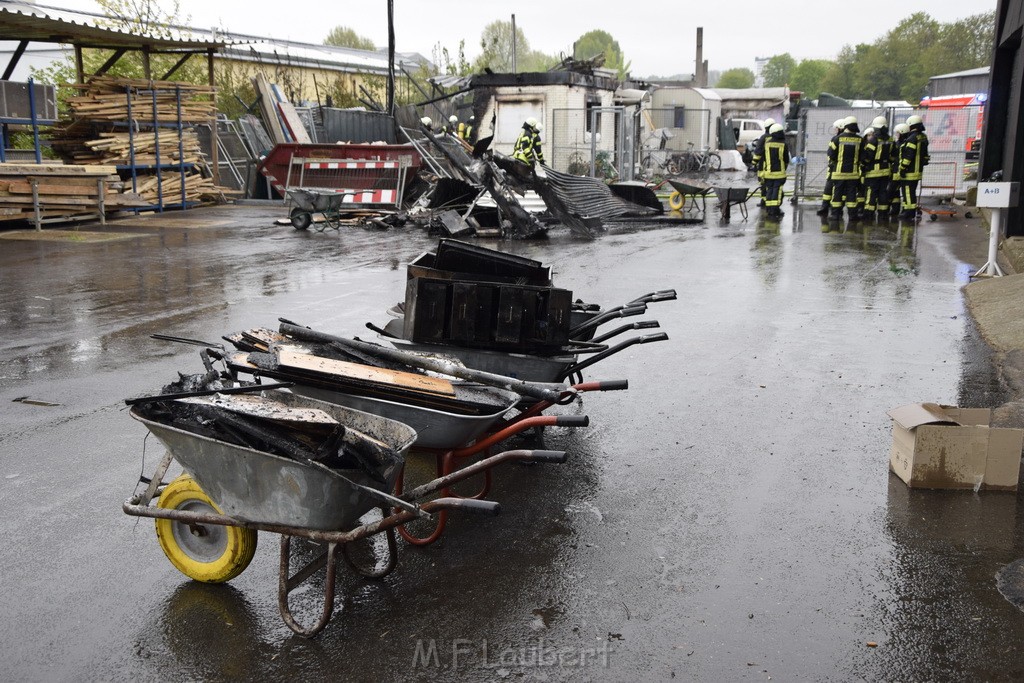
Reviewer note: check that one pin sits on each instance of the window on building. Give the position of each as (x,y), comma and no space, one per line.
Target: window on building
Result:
(593,117)
(679,117)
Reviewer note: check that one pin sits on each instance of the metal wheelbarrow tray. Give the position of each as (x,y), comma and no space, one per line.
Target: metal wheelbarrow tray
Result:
(435,427)
(687,187)
(260,487)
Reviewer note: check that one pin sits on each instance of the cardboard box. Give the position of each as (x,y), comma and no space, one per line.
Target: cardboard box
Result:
(945,447)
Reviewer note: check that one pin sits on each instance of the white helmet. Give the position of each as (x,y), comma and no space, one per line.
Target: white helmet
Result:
(453,119)
(768,123)
(879,122)
(532,122)
(869,131)
(775,128)
(426,121)
(839,123)
(914,120)
(902,128)
(849,121)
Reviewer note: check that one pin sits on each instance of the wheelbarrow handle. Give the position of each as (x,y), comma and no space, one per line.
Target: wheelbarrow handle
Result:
(572,421)
(478,507)
(660,295)
(648,338)
(640,325)
(547,456)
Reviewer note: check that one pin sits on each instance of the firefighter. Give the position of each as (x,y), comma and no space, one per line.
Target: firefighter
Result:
(466,130)
(528,149)
(913,158)
(775,161)
(757,157)
(895,194)
(453,125)
(427,123)
(844,162)
(826,195)
(875,161)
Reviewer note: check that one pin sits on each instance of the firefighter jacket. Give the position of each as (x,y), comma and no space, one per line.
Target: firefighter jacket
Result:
(757,152)
(775,158)
(876,157)
(913,155)
(528,147)
(844,156)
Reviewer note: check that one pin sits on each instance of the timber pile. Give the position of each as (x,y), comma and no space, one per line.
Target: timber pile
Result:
(62,190)
(106,99)
(97,134)
(197,188)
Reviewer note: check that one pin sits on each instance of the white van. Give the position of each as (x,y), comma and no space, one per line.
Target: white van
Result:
(747,130)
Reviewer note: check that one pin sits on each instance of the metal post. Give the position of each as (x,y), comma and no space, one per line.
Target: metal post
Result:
(991,268)
(181,144)
(593,142)
(156,152)
(35,121)
(513,43)
(35,204)
(101,200)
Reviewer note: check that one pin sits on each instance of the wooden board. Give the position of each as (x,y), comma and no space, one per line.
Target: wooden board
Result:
(291,358)
(267,106)
(55,169)
(267,409)
(294,123)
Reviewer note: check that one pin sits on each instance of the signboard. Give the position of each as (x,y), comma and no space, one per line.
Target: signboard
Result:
(998,195)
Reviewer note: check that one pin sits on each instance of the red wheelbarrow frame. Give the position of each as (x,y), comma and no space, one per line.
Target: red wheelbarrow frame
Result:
(447,460)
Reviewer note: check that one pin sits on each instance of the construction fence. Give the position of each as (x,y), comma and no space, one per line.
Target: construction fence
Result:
(951,133)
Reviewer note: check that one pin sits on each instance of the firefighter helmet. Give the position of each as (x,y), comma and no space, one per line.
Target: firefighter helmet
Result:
(426,121)
(776,128)
(839,124)
(532,122)
(453,119)
(768,123)
(902,128)
(914,120)
(879,122)
(869,130)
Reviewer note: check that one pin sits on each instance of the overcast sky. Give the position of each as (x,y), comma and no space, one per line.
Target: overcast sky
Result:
(658,38)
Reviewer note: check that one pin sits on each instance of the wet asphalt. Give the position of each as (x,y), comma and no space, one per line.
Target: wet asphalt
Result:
(729,517)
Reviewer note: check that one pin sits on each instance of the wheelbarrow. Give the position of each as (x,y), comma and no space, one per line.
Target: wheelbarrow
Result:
(309,201)
(734,196)
(684,187)
(208,519)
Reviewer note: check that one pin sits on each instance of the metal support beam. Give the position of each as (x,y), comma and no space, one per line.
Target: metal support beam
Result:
(18,52)
(180,63)
(214,135)
(110,62)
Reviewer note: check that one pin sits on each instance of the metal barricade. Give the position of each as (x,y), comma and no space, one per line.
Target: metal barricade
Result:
(364,183)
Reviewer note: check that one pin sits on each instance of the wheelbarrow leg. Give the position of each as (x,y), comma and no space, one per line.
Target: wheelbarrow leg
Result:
(286,584)
(441,516)
(392,562)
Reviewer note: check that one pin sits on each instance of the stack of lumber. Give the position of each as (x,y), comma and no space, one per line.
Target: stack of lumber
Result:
(97,133)
(62,190)
(197,189)
(106,99)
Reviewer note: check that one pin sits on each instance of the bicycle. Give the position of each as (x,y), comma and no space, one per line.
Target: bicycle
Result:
(703,161)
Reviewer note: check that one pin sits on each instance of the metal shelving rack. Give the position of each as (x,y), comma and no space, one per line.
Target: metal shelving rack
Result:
(133,169)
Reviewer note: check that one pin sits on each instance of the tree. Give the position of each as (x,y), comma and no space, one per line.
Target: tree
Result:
(446,64)
(597,42)
(777,71)
(808,75)
(343,36)
(496,44)
(736,78)
(838,79)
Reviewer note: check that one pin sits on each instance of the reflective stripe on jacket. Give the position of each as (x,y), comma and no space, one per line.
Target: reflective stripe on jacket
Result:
(776,160)
(844,156)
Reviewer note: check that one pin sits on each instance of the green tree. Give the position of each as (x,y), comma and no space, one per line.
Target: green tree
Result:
(839,79)
(452,66)
(496,44)
(736,78)
(597,42)
(343,36)
(808,75)
(777,71)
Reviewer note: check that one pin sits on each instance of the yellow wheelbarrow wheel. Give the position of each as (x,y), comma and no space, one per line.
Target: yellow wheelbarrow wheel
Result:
(204,552)
(676,201)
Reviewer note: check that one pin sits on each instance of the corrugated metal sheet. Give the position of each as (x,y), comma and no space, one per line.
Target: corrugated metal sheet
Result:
(357,127)
(590,197)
